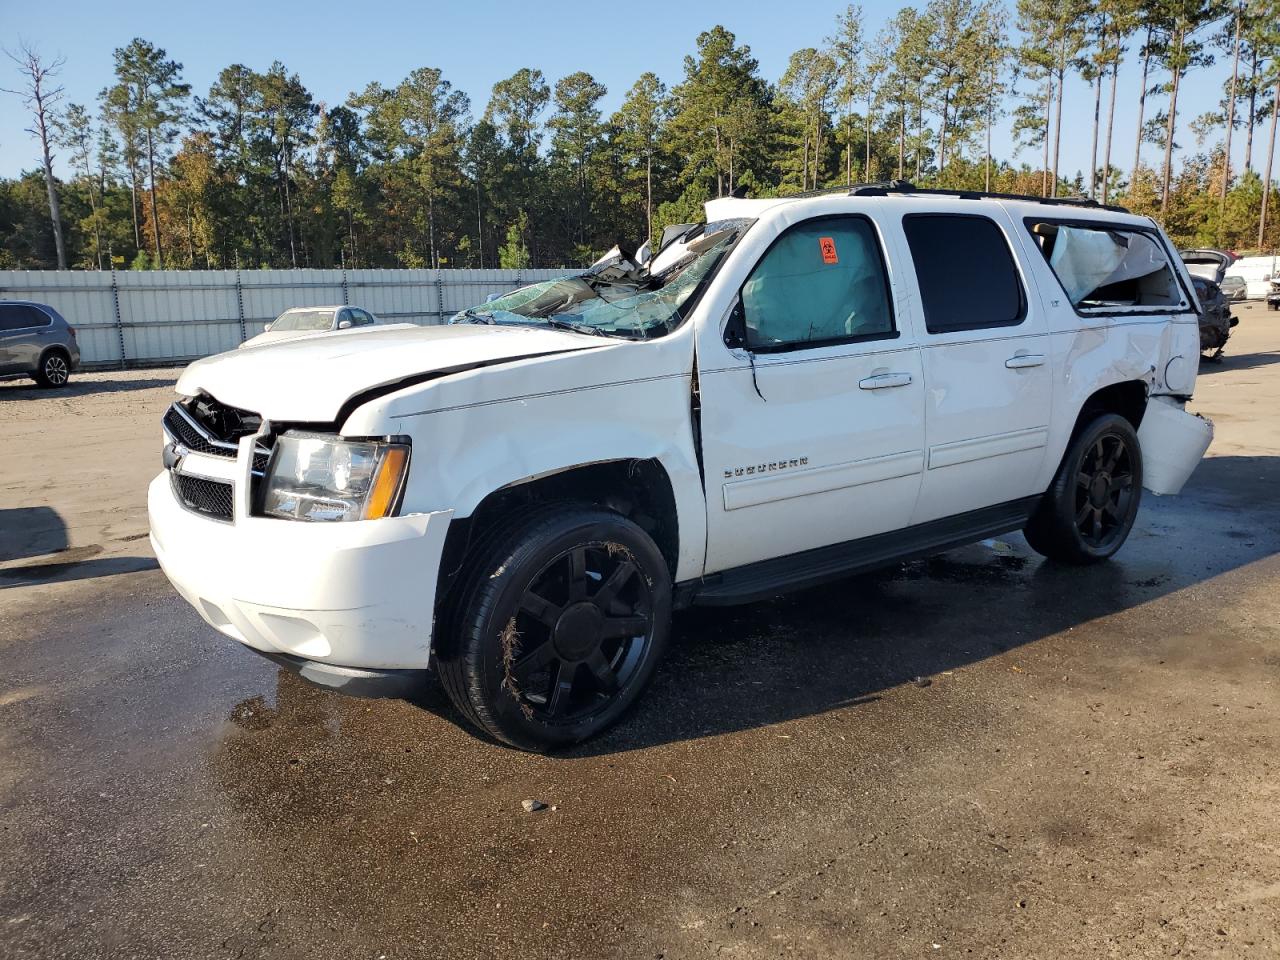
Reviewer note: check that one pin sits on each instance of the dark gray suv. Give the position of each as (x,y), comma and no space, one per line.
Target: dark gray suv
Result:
(36,342)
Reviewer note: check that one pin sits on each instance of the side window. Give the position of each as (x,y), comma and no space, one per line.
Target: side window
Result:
(17,316)
(1102,268)
(363,318)
(966,273)
(344,314)
(822,282)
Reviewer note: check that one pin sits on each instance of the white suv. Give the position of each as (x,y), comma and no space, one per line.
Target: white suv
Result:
(793,391)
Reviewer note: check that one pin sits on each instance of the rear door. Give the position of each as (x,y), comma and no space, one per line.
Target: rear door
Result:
(811,404)
(985,350)
(23,333)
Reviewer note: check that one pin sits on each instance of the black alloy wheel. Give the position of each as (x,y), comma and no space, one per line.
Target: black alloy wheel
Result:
(1086,514)
(1104,486)
(556,625)
(583,628)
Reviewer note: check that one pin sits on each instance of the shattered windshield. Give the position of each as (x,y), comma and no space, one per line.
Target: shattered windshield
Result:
(618,296)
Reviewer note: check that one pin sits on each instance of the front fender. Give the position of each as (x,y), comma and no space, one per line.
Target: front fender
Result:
(460,456)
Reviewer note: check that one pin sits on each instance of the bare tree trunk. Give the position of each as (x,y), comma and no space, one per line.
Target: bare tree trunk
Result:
(817,146)
(942,135)
(848,150)
(1048,126)
(55,208)
(1097,122)
(1111,120)
(479,221)
(1172,125)
(648,193)
(867,175)
(41,100)
(902,138)
(431,230)
(1142,103)
(1253,113)
(719,173)
(155,217)
(990,120)
(804,167)
(285,163)
(1231,123)
(1266,180)
(919,139)
(1057,130)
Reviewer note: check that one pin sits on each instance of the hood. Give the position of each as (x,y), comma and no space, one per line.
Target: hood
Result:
(1209,265)
(276,336)
(309,379)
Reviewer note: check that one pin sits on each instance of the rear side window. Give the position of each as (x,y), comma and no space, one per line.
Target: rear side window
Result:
(17,316)
(822,282)
(965,270)
(1104,269)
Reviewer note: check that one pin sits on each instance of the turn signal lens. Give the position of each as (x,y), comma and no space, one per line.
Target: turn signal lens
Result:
(387,483)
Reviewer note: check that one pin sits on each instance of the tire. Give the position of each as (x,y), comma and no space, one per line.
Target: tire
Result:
(1089,509)
(536,652)
(54,371)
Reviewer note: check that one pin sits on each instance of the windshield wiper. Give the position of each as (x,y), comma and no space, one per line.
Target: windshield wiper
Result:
(473,317)
(575,327)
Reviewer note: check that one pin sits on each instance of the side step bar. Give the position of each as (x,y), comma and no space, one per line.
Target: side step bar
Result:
(768,578)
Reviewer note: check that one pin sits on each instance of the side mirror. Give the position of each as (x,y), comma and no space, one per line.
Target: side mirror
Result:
(344,324)
(268,326)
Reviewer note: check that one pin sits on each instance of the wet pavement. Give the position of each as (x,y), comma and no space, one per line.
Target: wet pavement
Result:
(978,754)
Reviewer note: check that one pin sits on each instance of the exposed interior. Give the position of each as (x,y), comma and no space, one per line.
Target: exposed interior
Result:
(1108,268)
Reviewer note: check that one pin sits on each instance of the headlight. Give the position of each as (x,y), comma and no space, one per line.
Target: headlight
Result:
(316,476)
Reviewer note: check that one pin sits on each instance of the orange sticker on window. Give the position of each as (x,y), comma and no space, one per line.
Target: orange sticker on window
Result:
(828,245)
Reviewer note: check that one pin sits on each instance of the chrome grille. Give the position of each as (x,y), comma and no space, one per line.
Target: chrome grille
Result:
(212,498)
(183,428)
(179,425)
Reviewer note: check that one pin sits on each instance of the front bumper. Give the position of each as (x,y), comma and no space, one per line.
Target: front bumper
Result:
(337,600)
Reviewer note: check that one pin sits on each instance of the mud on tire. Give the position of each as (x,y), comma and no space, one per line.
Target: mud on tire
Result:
(557,626)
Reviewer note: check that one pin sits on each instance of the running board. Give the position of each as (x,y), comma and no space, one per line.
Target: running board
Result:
(768,578)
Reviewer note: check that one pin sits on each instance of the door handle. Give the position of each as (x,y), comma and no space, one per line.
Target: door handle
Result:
(1024,360)
(882,380)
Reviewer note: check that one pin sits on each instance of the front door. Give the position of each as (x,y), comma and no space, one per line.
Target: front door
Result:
(987,376)
(812,412)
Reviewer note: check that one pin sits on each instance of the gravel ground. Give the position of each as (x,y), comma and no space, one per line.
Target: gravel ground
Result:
(1087,765)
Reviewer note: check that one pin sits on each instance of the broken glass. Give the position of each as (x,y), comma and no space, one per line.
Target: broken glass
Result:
(618,297)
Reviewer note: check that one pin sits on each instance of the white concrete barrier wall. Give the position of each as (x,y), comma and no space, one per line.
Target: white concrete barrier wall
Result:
(135,318)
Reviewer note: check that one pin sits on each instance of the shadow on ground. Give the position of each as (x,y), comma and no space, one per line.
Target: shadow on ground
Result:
(80,385)
(31,532)
(840,645)
(1248,361)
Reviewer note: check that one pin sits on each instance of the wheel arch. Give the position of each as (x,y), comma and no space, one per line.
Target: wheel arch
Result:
(640,489)
(54,348)
(1128,398)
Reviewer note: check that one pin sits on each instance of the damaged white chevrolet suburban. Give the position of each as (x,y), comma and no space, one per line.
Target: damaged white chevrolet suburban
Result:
(793,391)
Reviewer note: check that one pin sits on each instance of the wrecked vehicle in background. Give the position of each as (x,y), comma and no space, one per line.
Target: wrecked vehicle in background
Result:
(1208,269)
(796,390)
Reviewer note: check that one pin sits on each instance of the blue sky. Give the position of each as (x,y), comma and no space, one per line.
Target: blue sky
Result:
(339,47)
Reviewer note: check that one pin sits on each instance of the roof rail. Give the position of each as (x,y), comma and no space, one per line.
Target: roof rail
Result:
(902,186)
